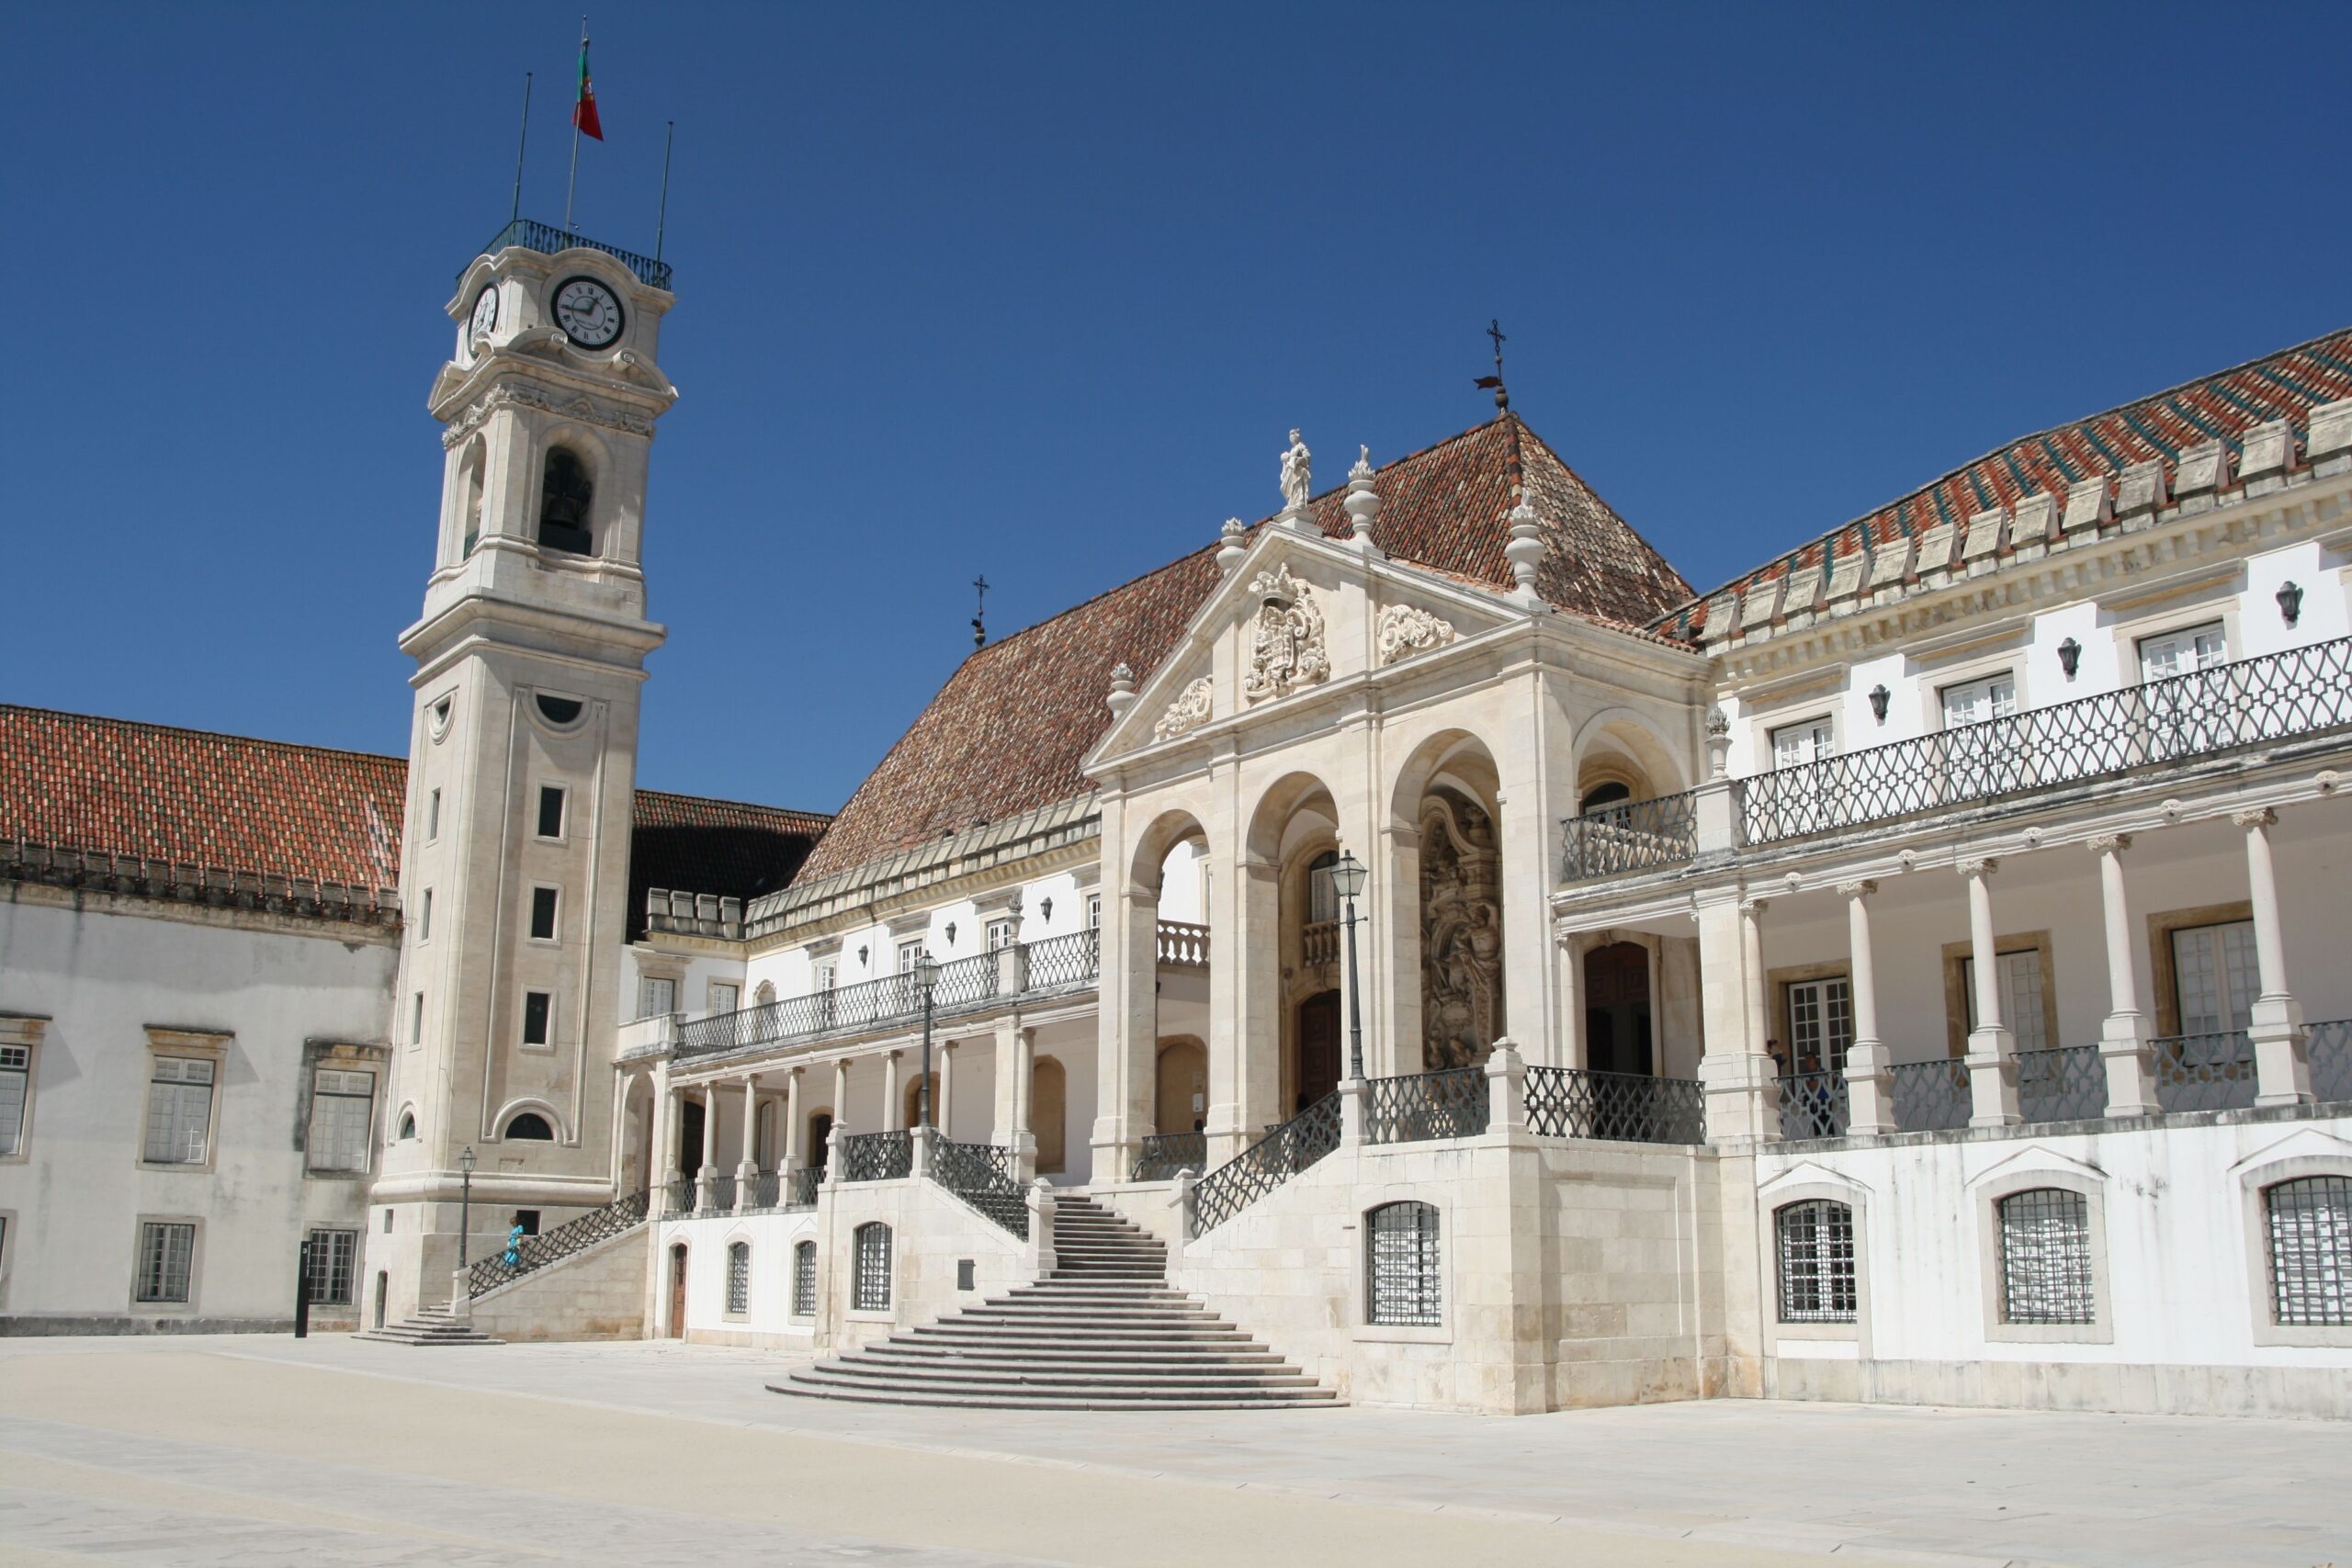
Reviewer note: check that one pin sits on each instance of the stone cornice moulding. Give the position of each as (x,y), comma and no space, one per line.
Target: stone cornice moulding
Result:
(23,1028)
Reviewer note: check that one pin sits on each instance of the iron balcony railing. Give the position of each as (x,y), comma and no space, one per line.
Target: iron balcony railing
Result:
(1814,1105)
(2248,701)
(982,1175)
(1633,836)
(878,1157)
(1165,1153)
(759,1196)
(1925,1097)
(1061,961)
(574,1236)
(722,1196)
(549,240)
(1570,1102)
(2331,1058)
(678,1199)
(2205,1072)
(1266,1165)
(2067,1083)
(1450,1104)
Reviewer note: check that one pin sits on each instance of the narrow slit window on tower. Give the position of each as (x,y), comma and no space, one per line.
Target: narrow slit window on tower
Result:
(566,494)
(432,816)
(551,811)
(543,914)
(536,1006)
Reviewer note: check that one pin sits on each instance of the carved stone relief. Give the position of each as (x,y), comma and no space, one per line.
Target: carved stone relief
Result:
(1188,712)
(1287,647)
(1462,932)
(1405,630)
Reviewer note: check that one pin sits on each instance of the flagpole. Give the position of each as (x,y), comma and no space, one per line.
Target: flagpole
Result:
(572,179)
(661,221)
(521,141)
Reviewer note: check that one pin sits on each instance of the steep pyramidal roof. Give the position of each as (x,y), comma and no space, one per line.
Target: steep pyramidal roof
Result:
(1007,733)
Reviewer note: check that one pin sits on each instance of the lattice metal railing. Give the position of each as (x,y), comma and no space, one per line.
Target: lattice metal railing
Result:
(2248,701)
(1165,1153)
(2331,1058)
(1814,1105)
(1450,1103)
(549,240)
(982,1175)
(1072,960)
(1570,1102)
(678,1199)
(1266,1165)
(2067,1083)
(722,1196)
(878,1157)
(1928,1096)
(760,1191)
(573,1236)
(798,1189)
(1635,835)
(2205,1072)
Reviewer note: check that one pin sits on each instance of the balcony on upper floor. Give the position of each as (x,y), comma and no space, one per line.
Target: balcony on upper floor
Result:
(1995,766)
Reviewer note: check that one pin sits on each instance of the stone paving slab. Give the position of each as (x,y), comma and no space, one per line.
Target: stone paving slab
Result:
(1735,1479)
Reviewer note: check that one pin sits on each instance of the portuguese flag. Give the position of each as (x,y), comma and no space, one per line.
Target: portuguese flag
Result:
(583,112)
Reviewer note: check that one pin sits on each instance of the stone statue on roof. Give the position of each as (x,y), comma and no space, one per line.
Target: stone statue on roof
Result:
(1297,476)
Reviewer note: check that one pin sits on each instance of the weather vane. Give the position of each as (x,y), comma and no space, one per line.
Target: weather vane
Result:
(1495,381)
(979,612)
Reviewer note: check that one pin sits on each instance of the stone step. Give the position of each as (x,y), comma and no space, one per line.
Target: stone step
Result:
(1091,1379)
(1127,1363)
(1304,1399)
(446,1330)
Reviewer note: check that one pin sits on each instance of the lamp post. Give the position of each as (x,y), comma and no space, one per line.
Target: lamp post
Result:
(1348,880)
(465,1200)
(926,977)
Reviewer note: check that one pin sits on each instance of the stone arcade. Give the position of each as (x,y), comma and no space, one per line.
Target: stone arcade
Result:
(1414,950)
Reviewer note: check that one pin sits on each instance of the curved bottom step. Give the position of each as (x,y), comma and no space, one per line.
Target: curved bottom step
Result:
(1047,1401)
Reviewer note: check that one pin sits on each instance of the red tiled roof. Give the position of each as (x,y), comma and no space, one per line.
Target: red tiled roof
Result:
(1007,733)
(2285,385)
(274,808)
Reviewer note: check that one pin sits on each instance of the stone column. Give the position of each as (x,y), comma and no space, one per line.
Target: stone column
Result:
(1354,1095)
(841,1096)
(747,1169)
(1245,1051)
(1736,1073)
(1870,1110)
(1506,1088)
(2124,1046)
(1025,1081)
(707,1179)
(1396,1049)
(794,1157)
(1992,1047)
(893,1113)
(2282,1067)
(662,1161)
(1569,1049)
(1131,953)
(939,1112)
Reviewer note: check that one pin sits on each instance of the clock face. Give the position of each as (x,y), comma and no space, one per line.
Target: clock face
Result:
(485,311)
(587,312)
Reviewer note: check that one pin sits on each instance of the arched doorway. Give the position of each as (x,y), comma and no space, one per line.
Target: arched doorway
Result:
(914,1102)
(690,1117)
(1049,1114)
(1617,1008)
(1318,1048)
(1181,1092)
(676,1323)
(821,1138)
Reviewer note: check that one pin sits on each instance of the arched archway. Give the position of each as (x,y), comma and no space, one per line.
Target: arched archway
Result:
(1180,1098)
(821,1138)
(1622,757)
(1291,952)
(1049,1114)
(1446,917)
(913,1107)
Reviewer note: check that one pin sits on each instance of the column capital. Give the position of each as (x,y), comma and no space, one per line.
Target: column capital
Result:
(1863,888)
(797,1072)
(2257,816)
(895,1052)
(1976,865)
(2108,843)
(1753,907)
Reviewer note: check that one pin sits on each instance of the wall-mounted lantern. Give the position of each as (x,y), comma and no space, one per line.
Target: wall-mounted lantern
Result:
(2070,657)
(951,934)
(1879,696)
(2291,601)
(1045,910)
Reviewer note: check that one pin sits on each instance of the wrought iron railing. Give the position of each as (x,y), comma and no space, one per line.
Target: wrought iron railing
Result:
(1814,1105)
(546,239)
(2331,1059)
(1071,960)
(760,1193)
(573,1236)
(982,1175)
(678,1199)
(1570,1102)
(1181,941)
(1926,1097)
(1635,835)
(1450,1104)
(2066,1084)
(1165,1153)
(2205,1072)
(878,1157)
(963,982)
(722,1196)
(798,1189)
(2247,702)
(1266,1165)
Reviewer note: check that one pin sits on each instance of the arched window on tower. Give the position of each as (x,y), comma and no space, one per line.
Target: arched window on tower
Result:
(469,487)
(566,494)
(532,1126)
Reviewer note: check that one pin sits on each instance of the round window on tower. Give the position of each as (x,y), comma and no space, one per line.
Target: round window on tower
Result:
(437,715)
(560,712)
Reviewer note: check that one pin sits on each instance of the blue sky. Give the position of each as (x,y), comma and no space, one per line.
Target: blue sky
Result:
(1036,292)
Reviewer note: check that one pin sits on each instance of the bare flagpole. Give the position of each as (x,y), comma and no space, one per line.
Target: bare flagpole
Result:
(573,179)
(521,141)
(661,221)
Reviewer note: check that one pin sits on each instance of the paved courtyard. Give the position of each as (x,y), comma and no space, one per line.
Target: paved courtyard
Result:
(236,1450)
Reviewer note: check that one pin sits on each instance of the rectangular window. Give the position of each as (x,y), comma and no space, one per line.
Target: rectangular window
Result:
(2183,652)
(1401,1266)
(1809,741)
(2020,981)
(1094,911)
(332,1252)
(2215,975)
(529,1220)
(342,1106)
(2046,1257)
(908,952)
(416,1019)
(432,816)
(804,1280)
(739,1279)
(551,811)
(1816,1248)
(2310,1251)
(657,996)
(825,972)
(165,1253)
(536,1006)
(425,918)
(1976,701)
(1821,1023)
(180,1111)
(1000,935)
(15,1088)
(872,1293)
(2189,710)
(724,997)
(543,914)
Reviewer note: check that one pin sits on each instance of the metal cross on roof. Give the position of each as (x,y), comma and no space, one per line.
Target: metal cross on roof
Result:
(980,626)
(1495,381)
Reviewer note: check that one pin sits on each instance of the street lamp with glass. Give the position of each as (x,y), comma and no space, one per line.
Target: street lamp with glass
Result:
(1347,880)
(465,1200)
(926,977)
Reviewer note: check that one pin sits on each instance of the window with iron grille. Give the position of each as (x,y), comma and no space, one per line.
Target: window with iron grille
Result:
(1816,1248)
(804,1280)
(1401,1274)
(165,1253)
(333,1252)
(2310,1251)
(179,1110)
(2046,1257)
(873,1267)
(342,1106)
(738,1278)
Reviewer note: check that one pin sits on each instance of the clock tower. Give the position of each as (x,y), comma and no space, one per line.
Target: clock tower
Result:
(529,656)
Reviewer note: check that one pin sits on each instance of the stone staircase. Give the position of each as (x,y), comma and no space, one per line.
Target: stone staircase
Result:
(431,1325)
(1101,1331)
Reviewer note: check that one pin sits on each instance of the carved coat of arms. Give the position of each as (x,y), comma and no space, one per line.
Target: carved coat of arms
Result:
(1287,647)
